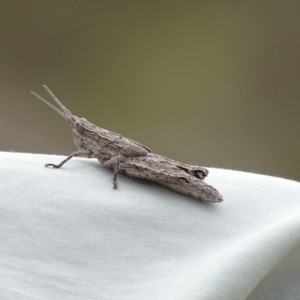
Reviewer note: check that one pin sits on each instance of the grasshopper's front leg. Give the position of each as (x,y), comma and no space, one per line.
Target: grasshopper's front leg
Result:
(87,154)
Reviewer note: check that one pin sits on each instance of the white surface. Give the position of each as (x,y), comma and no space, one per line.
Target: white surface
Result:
(66,234)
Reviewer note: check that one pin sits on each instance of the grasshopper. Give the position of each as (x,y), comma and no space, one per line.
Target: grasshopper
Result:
(129,157)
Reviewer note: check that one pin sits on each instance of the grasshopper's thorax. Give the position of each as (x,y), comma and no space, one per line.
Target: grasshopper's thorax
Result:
(88,136)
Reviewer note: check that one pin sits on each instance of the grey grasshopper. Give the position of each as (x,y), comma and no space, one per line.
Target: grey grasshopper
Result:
(132,158)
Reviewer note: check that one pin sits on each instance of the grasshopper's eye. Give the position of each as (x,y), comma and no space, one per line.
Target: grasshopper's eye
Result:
(77,123)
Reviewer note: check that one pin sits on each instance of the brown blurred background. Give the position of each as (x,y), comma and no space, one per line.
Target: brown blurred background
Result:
(215,83)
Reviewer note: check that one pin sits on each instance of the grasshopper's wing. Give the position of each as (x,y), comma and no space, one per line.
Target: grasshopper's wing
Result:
(130,148)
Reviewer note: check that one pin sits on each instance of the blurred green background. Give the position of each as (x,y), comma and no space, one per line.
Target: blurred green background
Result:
(214,83)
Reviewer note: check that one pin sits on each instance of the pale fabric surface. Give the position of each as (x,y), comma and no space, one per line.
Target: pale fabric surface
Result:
(66,234)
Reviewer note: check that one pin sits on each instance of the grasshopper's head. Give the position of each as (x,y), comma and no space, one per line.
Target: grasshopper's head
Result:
(84,134)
